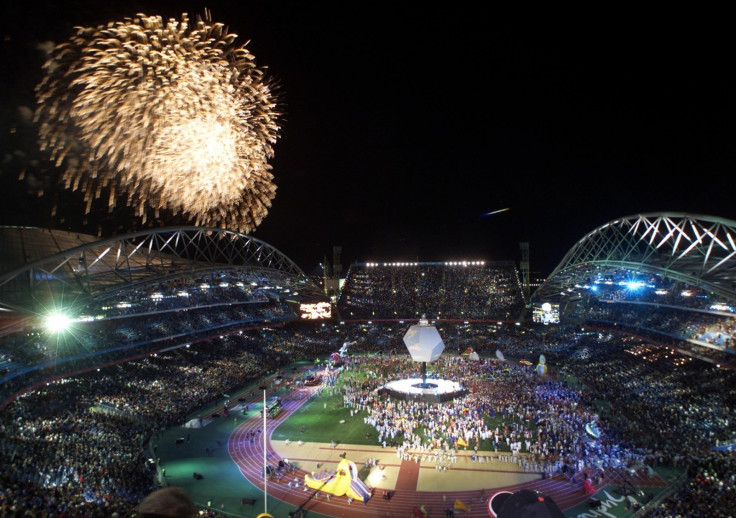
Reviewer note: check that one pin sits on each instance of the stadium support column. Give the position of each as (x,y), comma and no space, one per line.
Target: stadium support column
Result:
(524,268)
(336,266)
(332,285)
(326,276)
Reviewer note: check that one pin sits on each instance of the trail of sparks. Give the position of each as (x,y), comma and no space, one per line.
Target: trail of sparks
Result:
(162,115)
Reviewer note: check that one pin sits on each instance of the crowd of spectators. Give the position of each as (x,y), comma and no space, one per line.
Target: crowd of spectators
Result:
(658,402)
(488,291)
(656,289)
(710,489)
(141,313)
(713,330)
(656,303)
(539,416)
(661,407)
(215,288)
(96,341)
(62,455)
(670,407)
(655,406)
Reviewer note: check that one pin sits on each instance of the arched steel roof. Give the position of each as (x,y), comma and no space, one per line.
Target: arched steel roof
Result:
(694,249)
(94,268)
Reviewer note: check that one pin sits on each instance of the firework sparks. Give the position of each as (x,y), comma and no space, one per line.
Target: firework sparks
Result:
(162,115)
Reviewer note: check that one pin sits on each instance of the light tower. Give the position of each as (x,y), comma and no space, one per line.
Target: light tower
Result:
(425,345)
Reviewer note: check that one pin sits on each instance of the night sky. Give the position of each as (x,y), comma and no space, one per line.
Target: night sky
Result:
(404,125)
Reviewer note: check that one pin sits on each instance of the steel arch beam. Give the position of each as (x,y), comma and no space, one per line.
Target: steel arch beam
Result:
(694,249)
(110,264)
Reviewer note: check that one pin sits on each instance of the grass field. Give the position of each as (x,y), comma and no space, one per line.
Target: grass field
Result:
(319,421)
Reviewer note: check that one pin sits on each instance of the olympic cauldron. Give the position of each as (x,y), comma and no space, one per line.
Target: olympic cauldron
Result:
(425,345)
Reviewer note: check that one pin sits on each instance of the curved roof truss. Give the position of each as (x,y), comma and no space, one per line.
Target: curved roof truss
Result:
(694,249)
(100,267)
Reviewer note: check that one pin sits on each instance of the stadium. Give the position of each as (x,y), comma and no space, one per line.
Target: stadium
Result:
(207,359)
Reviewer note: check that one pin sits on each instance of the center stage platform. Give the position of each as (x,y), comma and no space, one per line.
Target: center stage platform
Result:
(434,391)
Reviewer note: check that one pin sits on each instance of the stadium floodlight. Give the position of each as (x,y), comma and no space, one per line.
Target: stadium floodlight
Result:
(634,285)
(57,322)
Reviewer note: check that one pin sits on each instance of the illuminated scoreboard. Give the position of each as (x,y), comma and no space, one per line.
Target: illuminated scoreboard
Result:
(546,313)
(315,310)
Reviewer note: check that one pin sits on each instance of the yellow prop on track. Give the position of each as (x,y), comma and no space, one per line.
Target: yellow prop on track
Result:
(343,481)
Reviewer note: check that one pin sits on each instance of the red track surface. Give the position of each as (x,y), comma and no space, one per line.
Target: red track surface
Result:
(248,455)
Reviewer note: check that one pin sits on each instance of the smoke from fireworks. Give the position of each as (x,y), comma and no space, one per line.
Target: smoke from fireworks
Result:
(162,115)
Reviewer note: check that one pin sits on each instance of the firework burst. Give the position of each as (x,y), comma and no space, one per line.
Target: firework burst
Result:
(162,115)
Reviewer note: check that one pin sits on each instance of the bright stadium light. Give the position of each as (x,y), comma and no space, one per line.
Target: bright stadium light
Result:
(57,322)
(634,285)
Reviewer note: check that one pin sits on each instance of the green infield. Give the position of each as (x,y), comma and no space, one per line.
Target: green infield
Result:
(325,419)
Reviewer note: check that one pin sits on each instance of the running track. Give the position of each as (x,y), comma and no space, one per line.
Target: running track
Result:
(249,458)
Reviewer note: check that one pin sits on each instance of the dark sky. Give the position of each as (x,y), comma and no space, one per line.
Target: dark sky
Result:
(404,125)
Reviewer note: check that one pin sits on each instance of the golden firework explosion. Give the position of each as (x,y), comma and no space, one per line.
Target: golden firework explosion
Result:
(162,115)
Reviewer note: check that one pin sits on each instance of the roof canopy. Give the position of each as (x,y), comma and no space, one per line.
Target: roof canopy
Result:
(693,249)
(41,265)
